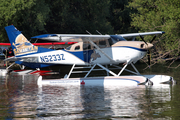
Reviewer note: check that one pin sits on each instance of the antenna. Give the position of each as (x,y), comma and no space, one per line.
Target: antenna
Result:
(88,32)
(98,32)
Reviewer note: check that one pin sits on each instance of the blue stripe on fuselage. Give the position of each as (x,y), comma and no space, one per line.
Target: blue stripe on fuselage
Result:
(144,50)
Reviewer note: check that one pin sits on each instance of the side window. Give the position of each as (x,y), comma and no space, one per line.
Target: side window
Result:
(102,44)
(86,46)
(97,43)
(77,48)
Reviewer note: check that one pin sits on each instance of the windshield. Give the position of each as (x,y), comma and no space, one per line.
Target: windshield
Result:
(116,38)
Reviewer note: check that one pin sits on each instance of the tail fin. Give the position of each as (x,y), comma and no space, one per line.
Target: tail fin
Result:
(19,42)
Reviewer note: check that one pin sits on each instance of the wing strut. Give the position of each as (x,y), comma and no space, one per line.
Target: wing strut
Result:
(124,68)
(70,71)
(92,68)
(104,68)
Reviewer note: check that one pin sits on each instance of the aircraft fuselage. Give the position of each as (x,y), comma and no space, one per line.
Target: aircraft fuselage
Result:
(120,52)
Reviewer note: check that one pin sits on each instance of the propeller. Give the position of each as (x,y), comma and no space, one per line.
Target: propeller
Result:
(143,39)
(148,51)
(153,39)
(149,57)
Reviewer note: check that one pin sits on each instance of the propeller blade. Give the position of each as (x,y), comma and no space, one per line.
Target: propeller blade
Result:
(153,39)
(149,57)
(143,39)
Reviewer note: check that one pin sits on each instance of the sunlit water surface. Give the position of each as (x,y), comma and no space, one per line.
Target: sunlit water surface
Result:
(21,98)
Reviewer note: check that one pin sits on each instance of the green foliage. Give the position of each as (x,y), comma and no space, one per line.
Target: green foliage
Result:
(27,15)
(120,16)
(158,15)
(77,16)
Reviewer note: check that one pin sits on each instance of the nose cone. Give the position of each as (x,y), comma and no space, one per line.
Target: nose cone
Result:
(149,45)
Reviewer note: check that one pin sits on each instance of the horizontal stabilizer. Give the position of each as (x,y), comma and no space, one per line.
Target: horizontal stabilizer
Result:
(23,59)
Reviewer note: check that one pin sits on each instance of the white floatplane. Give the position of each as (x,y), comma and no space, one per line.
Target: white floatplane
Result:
(90,51)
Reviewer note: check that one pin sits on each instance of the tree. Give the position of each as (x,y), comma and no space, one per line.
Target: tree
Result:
(27,15)
(74,16)
(120,18)
(159,15)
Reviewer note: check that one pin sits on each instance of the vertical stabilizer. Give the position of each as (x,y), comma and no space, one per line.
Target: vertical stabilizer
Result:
(19,42)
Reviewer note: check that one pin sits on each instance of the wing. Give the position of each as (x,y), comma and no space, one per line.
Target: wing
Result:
(130,35)
(81,38)
(71,37)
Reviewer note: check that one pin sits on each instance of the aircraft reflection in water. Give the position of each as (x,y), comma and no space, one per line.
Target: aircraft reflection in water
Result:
(18,96)
(25,100)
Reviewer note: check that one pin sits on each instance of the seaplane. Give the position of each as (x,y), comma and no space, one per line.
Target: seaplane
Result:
(89,52)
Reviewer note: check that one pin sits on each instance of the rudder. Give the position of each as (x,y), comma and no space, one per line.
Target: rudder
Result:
(19,42)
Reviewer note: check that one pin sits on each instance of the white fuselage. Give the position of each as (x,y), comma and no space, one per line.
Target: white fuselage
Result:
(118,55)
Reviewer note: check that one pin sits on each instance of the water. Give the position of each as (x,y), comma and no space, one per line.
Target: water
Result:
(21,98)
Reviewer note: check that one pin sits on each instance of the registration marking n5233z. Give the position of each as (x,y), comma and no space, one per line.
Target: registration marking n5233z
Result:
(51,58)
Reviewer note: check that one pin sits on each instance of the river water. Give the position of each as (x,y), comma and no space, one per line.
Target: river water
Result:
(22,99)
